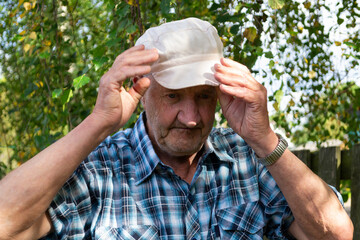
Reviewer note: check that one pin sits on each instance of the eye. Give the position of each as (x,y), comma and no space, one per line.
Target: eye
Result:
(204,96)
(172,95)
(207,94)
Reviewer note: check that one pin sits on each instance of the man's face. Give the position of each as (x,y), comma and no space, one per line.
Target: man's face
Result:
(179,121)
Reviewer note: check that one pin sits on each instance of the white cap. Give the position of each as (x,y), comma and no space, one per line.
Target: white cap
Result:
(188,50)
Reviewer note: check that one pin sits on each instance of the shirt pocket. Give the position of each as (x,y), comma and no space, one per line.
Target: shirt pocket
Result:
(131,232)
(245,220)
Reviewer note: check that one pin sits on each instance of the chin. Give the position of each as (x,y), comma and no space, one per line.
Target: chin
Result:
(181,150)
(177,145)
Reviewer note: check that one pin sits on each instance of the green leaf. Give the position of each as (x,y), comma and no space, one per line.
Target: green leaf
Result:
(276,107)
(112,42)
(350,44)
(235,29)
(278,95)
(16,38)
(110,5)
(67,95)
(165,6)
(98,62)
(215,6)
(259,51)
(80,81)
(56,93)
(276,4)
(340,21)
(44,55)
(40,141)
(123,11)
(345,196)
(269,55)
(98,52)
(271,64)
(250,34)
(31,87)
(131,29)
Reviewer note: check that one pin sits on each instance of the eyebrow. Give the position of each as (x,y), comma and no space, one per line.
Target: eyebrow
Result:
(208,90)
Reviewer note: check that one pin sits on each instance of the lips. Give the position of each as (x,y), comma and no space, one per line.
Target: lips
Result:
(186,128)
(186,131)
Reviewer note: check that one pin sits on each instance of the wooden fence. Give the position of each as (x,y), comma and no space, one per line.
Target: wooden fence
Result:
(331,165)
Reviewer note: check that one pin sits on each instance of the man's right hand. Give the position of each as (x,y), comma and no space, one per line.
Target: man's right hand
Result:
(114,105)
(26,192)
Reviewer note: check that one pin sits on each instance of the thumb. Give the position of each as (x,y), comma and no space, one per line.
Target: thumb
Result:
(139,88)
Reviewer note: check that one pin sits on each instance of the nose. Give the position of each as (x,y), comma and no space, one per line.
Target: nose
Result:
(189,113)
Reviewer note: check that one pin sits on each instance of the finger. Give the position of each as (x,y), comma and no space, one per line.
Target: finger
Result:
(228,70)
(139,88)
(231,63)
(135,48)
(138,57)
(235,70)
(235,74)
(238,92)
(131,71)
(236,81)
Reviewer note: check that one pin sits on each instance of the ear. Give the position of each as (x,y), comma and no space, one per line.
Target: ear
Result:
(143,101)
(144,97)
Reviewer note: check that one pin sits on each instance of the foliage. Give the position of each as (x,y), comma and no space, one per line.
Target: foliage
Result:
(345,189)
(323,105)
(337,117)
(53,53)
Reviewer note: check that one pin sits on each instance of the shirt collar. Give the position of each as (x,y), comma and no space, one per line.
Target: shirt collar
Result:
(215,144)
(146,159)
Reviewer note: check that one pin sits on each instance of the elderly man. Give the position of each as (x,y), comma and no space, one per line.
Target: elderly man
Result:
(172,176)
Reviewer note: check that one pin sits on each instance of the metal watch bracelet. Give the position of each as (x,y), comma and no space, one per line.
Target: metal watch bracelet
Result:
(276,154)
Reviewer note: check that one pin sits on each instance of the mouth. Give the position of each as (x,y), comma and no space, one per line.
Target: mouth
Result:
(185,130)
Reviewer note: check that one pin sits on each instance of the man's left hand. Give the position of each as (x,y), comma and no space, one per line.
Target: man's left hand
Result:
(244,104)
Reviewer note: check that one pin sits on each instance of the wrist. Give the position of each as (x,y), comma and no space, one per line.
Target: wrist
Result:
(279,150)
(266,144)
(99,127)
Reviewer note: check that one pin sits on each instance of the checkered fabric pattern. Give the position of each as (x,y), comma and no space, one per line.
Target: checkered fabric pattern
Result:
(124,191)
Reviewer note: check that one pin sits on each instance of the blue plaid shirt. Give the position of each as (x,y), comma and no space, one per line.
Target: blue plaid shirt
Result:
(124,191)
